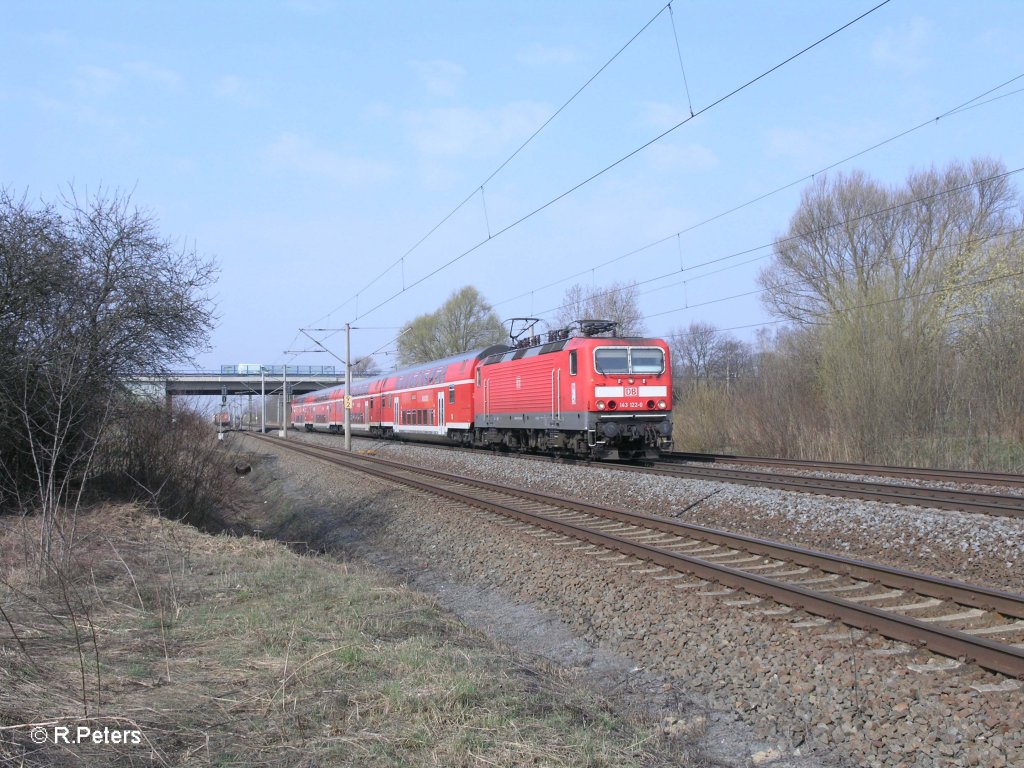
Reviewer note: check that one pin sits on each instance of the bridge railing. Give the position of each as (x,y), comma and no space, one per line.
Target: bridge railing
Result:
(245,369)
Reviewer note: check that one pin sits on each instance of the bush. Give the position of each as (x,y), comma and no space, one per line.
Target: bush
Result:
(171,461)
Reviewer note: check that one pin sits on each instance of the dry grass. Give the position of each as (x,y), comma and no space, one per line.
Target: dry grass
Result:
(236,651)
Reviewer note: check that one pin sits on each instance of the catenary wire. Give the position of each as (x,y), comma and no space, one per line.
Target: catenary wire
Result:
(973,241)
(622,159)
(880,302)
(496,171)
(961,108)
(797,236)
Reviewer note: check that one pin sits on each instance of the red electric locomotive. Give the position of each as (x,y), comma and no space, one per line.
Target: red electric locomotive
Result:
(586,395)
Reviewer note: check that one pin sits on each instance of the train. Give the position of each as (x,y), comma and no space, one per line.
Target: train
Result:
(570,391)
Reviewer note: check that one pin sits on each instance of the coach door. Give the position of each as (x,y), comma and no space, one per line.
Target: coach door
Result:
(366,413)
(397,404)
(440,413)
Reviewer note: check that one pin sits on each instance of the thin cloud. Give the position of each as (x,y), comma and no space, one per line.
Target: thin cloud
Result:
(441,78)
(464,131)
(538,55)
(312,6)
(91,82)
(57,38)
(906,48)
(661,115)
(685,157)
(235,89)
(157,75)
(292,153)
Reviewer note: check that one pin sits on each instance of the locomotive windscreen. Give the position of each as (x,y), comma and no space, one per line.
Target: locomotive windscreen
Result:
(626,360)
(646,360)
(611,360)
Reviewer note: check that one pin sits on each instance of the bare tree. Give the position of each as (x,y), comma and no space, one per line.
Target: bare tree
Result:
(853,242)
(464,322)
(617,302)
(364,366)
(89,292)
(704,354)
(914,292)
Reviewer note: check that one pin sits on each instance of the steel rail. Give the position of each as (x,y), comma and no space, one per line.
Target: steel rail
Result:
(978,477)
(991,655)
(937,498)
(998,601)
(999,505)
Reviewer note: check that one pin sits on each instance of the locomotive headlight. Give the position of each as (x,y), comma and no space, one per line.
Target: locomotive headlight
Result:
(662,405)
(600,405)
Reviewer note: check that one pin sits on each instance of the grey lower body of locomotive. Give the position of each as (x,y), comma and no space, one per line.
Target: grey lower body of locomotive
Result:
(611,436)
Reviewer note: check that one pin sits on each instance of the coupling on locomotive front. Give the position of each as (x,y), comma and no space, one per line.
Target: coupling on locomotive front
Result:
(571,391)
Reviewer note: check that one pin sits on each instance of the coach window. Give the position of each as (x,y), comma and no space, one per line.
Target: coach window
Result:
(451,394)
(572,362)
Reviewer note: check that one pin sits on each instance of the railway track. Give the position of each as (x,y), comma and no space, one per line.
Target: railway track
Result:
(950,618)
(939,498)
(700,466)
(842,467)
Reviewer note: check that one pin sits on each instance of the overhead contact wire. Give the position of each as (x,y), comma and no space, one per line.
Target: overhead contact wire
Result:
(509,159)
(880,302)
(963,107)
(797,236)
(636,151)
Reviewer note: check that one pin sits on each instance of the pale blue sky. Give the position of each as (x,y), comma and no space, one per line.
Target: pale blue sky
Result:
(307,145)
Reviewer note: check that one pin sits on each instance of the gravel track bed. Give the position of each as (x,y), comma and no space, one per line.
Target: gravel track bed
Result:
(975,548)
(823,695)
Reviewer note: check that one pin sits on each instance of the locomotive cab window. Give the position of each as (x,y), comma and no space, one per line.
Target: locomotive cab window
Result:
(572,362)
(646,360)
(629,360)
(611,360)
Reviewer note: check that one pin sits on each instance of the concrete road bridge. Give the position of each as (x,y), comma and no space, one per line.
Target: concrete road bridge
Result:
(242,380)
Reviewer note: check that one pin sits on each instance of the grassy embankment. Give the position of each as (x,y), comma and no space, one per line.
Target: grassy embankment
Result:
(237,651)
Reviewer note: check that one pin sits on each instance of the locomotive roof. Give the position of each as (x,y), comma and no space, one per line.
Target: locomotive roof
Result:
(510,353)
